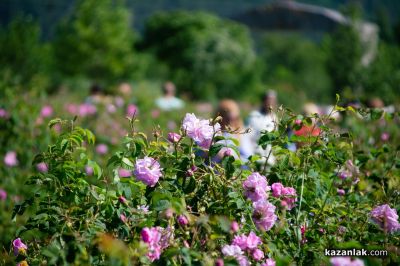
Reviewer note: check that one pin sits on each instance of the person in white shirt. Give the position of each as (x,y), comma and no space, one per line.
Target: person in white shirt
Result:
(169,102)
(263,120)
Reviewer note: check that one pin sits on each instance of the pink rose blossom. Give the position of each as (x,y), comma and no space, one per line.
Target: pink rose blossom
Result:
(148,171)
(269,262)
(122,200)
(4,114)
(46,111)
(131,110)
(386,218)
(101,149)
(344,174)
(298,122)
(385,136)
(219,262)
(264,215)
(111,108)
(186,244)
(124,172)
(72,108)
(119,101)
(123,218)
(89,170)
(345,261)
(155,113)
(199,130)
(277,189)
(182,220)
(249,242)
(242,261)
(231,250)
(257,254)
(152,237)
(256,187)
(341,192)
(42,167)
(10,159)
(3,194)
(234,226)
(86,109)
(174,137)
(157,239)
(19,247)
(289,197)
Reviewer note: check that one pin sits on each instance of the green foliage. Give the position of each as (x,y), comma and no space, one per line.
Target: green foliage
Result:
(96,41)
(207,56)
(382,77)
(23,58)
(344,58)
(303,68)
(76,218)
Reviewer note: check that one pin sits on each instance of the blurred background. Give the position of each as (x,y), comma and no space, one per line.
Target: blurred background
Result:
(305,50)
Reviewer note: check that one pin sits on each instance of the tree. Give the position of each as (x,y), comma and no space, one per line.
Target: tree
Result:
(22,55)
(96,41)
(344,58)
(382,78)
(303,67)
(208,56)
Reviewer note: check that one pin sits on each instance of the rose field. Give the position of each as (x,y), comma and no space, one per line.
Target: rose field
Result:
(200,132)
(182,195)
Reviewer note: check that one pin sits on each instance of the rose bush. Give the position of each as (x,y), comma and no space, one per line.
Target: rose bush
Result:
(162,199)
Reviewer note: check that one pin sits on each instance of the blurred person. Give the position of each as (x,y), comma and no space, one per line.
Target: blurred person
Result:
(169,101)
(125,90)
(232,126)
(375,102)
(96,94)
(261,120)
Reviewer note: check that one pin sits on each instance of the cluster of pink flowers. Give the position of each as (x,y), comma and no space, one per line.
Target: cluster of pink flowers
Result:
(386,218)
(10,159)
(287,195)
(242,244)
(19,247)
(256,187)
(157,239)
(83,110)
(345,261)
(148,171)
(200,130)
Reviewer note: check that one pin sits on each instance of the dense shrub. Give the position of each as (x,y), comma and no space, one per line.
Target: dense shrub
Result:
(304,68)
(207,56)
(96,41)
(186,197)
(24,59)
